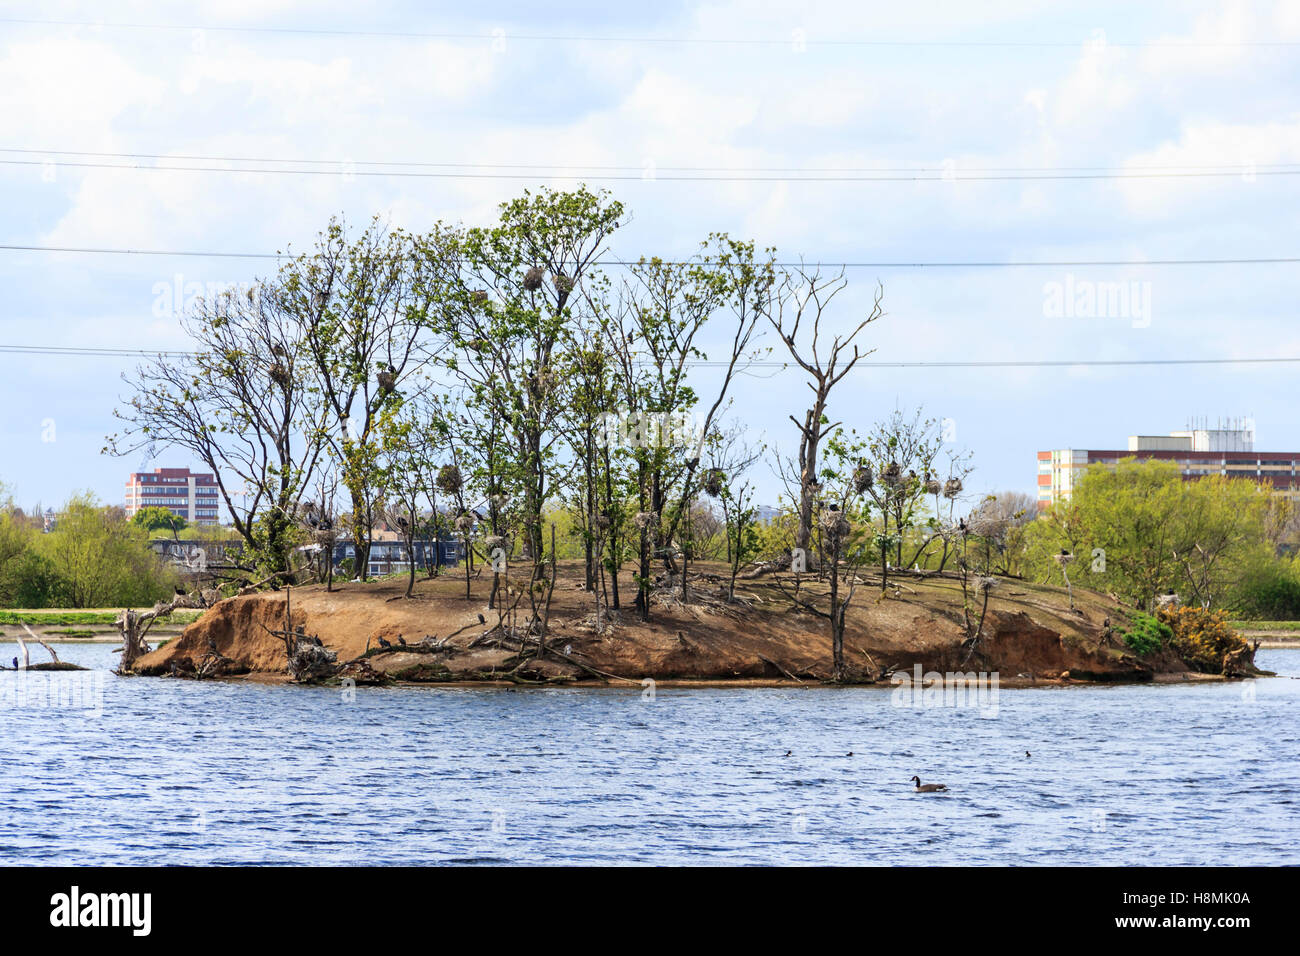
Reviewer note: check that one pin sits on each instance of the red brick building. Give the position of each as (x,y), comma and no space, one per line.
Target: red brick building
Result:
(187,494)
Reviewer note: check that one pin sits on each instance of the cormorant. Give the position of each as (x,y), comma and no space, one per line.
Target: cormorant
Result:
(384,643)
(401,640)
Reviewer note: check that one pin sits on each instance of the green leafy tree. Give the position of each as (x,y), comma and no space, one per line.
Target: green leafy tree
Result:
(1140,530)
(154,518)
(102,559)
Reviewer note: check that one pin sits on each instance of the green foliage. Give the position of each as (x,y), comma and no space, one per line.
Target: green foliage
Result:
(1140,530)
(1147,634)
(32,580)
(94,557)
(1268,589)
(154,518)
(1201,638)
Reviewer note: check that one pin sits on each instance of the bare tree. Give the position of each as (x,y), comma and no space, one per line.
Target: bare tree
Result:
(802,300)
(242,404)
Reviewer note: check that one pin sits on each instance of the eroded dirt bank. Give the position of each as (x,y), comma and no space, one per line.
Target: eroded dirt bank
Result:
(1029,634)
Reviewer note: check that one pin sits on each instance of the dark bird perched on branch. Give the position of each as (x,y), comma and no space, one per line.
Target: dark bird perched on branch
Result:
(384,643)
(401,640)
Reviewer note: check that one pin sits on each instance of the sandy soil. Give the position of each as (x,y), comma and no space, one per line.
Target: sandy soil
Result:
(1030,634)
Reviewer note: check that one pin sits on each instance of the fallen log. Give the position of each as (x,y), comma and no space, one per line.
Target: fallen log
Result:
(768,660)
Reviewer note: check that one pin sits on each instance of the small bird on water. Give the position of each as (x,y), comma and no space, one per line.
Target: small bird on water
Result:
(928,787)
(788,753)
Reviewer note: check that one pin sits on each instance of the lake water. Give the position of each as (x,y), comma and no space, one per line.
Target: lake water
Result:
(156,771)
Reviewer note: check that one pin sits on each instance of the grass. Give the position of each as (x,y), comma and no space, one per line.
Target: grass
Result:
(1265,625)
(73,632)
(40,618)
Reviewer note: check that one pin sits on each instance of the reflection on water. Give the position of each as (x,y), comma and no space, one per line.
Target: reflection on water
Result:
(168,771)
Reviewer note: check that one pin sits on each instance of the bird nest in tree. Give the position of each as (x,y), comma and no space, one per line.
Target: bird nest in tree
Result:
(835,526)
(449,479)
(601,522)
(646,519)
(563,284)
(863,478)
(714,479)
(952,488)
(494,541)
(479,297)
(986,583)
(933,486)
(892,474)
(533,278)
(465,523)
(387,381)
(280,375)
(1065,557)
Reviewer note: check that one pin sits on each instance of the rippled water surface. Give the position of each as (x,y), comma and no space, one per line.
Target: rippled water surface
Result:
(170,771)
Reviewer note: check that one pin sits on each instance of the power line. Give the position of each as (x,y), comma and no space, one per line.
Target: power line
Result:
(1034,363)
(793,39)
(946,176)
(626,263)
(340,164)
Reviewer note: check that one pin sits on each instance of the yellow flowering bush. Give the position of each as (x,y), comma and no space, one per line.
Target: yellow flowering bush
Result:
(1202,638)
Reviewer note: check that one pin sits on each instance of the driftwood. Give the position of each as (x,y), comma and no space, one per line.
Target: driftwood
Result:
(765,567)
(134,625)
(309,660)
(254,587)
(768,660)
(32,635)
(54,665)
(312,662)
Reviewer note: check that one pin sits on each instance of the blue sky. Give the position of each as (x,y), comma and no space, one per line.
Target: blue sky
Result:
(1171,87)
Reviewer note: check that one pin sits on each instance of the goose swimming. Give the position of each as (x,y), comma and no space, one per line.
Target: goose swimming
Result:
(928,787)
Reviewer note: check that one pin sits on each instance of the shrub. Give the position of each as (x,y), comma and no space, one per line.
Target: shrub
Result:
(1268,590)
(32,580)
(1147,634)
(1201,638)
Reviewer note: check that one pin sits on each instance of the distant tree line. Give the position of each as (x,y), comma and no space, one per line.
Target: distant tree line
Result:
(93,557)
